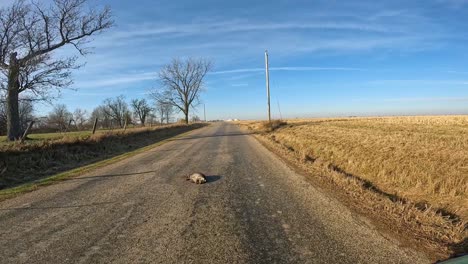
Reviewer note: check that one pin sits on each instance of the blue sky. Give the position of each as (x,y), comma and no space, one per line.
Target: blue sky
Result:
(327,58)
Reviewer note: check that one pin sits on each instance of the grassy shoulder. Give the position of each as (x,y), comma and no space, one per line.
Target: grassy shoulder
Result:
(407,171)
(30,166)
(37,138)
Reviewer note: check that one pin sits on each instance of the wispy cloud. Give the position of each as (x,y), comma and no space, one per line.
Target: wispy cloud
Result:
(427,99)
(458,72)
(239,84)
(239,26)
(453,3)
(287,69)
(116,80)
(420,81)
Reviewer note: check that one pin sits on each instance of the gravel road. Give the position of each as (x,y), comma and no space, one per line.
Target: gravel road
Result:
(254,209)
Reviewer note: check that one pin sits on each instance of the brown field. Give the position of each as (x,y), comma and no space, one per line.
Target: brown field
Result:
(421,159)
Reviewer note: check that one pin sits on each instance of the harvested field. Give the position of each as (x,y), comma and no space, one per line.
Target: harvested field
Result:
(422,160)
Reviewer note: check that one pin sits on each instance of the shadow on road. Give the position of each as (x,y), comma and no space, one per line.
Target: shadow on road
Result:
(110,176)
(56,207)
(213,178)
(211,136)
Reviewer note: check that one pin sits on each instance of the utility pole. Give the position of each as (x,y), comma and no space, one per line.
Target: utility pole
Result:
(267,84)
(204,111)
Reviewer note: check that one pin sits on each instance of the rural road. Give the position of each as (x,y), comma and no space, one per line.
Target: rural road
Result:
(254,209)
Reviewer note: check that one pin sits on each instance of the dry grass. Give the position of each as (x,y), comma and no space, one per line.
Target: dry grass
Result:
(422,161)
(38,159)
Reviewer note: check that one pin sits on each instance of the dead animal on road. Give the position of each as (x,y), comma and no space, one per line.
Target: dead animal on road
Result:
(198,178)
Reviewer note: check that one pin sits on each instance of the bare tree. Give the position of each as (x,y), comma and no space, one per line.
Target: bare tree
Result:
(163,108)
(29,33)
(117,110)
(103,119)
(80,117)
(59,117)
(159,109)
(168,111)
(196,118)
(182,83)
(151,118)
(141,109)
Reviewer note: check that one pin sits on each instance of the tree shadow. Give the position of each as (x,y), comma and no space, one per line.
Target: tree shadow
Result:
(103,177)
(212,136)
(56,207)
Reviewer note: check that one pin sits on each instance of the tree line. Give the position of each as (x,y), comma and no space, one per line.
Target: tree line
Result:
(30,33)
(113,113)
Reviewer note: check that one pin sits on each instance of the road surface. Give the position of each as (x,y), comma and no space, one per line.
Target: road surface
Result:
(254,209)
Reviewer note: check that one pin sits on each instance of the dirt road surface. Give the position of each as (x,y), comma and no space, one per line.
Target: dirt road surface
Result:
(254,209)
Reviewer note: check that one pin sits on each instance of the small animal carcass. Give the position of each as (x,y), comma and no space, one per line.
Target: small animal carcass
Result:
(198,178)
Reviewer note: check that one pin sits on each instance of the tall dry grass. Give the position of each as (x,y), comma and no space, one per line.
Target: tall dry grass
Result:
(422,158)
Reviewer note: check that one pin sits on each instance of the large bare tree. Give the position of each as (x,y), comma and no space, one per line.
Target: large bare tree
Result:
(141,109)
(182,82)
(29,33)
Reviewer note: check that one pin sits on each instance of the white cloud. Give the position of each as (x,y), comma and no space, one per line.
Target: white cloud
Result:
(237,26)
(110,81)
(287,69)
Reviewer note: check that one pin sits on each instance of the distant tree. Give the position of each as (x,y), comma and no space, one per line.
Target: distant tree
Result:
(141,109)
(164,109)
(128,118)
(151,118)
(181,83)
(117,110)
(30,32)
(26,113)
(195,118)
(80,117)
(59,117)
(104,120)
(160,111)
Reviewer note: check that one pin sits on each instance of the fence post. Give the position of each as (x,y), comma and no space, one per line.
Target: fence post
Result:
(95,125)
(125,125)
(27,131)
